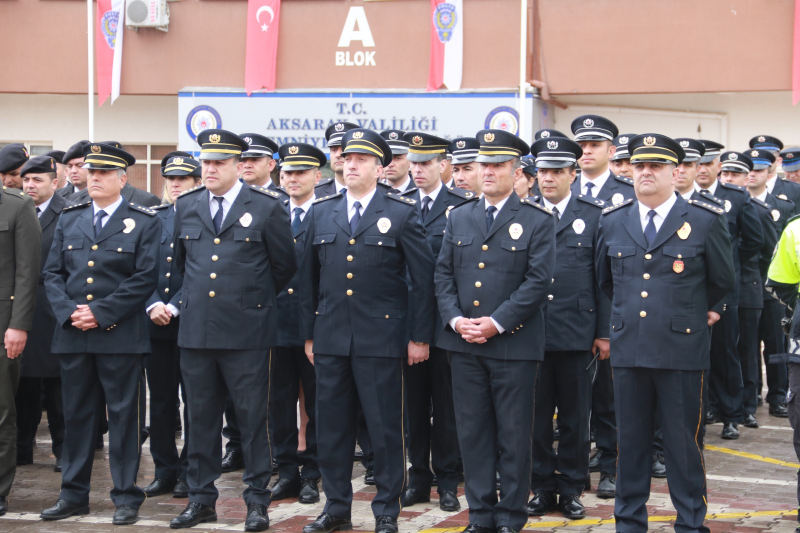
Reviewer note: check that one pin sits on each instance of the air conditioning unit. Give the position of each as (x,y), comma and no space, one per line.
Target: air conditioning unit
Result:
(147,14)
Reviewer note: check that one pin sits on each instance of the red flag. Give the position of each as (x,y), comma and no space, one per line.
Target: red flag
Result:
(105,37)
(261,54)
(796,55)
(436,72)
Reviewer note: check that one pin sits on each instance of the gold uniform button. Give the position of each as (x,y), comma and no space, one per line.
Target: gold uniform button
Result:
(213,275)
(352,241)
(478,284)
(171,245)
(619,254)
(214,257)
(513,248)
(349,257)
(646,275)
(349,275)
(166,291)
(89,297)
(69,247)
(476,303)
(644,294)
(168,274)
(247,239)
(91,263)
(481,265)
(485,247)
(94,247)
(119,250)
(387,316)
(169,260)
(212,294)
(642,314)
(89,280)
(648,256)
(688,331)
(216,241)
(349,292)
(290,291)
(549,296)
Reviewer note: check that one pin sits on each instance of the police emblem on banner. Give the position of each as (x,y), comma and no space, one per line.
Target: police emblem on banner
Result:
(201,118)
(503,118)
(108,26)
(445,19)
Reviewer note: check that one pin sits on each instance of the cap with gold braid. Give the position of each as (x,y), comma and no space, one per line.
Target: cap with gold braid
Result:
(101,156)
(498,146)
(301,156)
(180,164)
(424,147)
(361,141)
(655,148)
(220,144)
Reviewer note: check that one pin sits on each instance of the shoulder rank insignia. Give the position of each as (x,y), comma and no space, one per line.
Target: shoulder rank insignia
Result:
(145,210)
(161,207)
(705,205)
(461,193)
(609,209)
(265,191)
(711,198)
(527,201)
(760,203)
(591,201)
(77,206)
(734,187)
(407,192)
(323,181)
(193,189)
(624,179)
(329,197)
(401,199)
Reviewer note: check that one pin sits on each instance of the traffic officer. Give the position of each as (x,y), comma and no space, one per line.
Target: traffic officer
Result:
(429,384)
(61,169)
(76,174)
(234,248)
(181,172)
(790,162)
(493,276)
(12,157)
(665,263)
(397,174)
(465,170)
(356,317)
(19,250)
(595,135)
(620,162)
(333,138)
(40,373)
(576,326)
(300,164)
(781,188)
(101,270)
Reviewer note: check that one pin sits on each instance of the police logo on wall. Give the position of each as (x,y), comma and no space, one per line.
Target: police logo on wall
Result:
(503,118)
(445,19)
(201,118)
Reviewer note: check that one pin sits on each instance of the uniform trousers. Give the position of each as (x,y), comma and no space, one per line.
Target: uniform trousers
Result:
(290,367)
(376,384)
(32,395)
(84,378)
(208,376)
(429,384)
(676,395)
(771,333)
(725,386)
(9,380)
(793,406)
(749,358)
(163,377)
(603,418)
(566,384)
(494,415)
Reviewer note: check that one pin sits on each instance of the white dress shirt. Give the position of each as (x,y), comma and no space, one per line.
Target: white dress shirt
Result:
(661,212)
(351,211)
(405,186)
(688,195)
(763,196)
(432,196)
(597,183)
(712,188)
(109,211)
(43,206)
(305,207)
(228,199)
(561,206)
(771,183)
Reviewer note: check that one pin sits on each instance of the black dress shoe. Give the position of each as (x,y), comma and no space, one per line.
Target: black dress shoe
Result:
(326,523)
(285,488)
(572,507)
(3,505)
(63,509)
(181,489)
(22,461)
(159,487)
(448,501)
(386,524)
(712,418)
(414,496)
(759,400)
(435,481)
(506,529)
(594,461)
(542,503)
(195,513)
(659,469)
(729,431)
(750,422)
(369,475)
(358,455)
(309,491)
(588,486)
(257,518)
(125,515)
(232,461)
(474,528)
(607,488)
(57,467)
(778,410)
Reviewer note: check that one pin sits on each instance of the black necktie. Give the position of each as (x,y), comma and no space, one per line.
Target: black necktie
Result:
(219,214)
(490,217)
(296,222)
(356,218)
(704,191)
(343,190)
(426,207)
(556,213)
(589,186)
(650,228)
(38,211)
(98,222)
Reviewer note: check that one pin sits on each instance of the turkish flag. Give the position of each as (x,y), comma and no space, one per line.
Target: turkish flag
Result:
(261,54)
(796,55)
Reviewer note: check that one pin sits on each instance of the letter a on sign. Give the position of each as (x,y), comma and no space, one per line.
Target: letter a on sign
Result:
(357,17)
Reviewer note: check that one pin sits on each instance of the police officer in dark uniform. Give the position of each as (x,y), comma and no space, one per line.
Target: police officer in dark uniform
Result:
(40,372)
(12,157)
(665,263)
(397,174)
(576,325)
(181,172)
(790,163)
(364,250)
(300,164)
(429,384)
(333,137)
(620,162)
(235,249)
(73,163)
(464,151)
(781,188)
(493,276)
(101,270)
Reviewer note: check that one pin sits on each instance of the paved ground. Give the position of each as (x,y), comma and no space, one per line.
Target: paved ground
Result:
(751,489)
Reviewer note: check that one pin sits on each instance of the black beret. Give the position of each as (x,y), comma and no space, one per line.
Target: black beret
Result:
(13,156)
(58,155)
(74,152)
(42,164)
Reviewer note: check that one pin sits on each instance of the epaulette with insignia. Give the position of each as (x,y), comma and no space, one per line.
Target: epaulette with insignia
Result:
(534,198)
(612,208)
(712,208)
(761,203)
(323,182)
(528,201)
(193,189)
(286,202)
(591,201)
(734,187)
(461,193)
(161,207)
(329,197)
(76,206)
(410,191)
(401,199)
(711,198)
(624,179)
(145,210)
(12,192)
(265,191)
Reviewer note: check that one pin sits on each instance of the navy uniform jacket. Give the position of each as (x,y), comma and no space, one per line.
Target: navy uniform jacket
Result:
(614,185)
(231,280)
(66,191)
(754,269)
(787,190)
(114,274)
(129,193)
(661,294)
(289,298)
(482,273)
(576,312)
(355,288)
(170,279)
(326,187)
(38,361)
(785,210)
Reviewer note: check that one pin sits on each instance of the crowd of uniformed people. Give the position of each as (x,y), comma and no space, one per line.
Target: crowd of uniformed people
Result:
(472,310)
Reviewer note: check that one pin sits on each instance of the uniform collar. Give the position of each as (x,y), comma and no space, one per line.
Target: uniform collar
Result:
(561,206)
(109,210)
(433,196)
(364,201)
(712,189)
(662,210)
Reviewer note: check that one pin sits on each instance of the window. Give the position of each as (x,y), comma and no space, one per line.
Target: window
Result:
(146,173)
